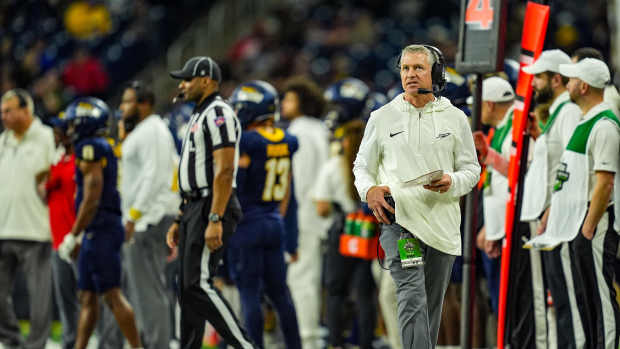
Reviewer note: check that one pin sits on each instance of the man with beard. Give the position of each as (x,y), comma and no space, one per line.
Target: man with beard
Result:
(149,203)
(210,210)
(581,211)
(555,132)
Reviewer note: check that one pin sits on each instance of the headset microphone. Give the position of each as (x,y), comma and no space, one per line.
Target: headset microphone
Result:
(178,97)
(423,91)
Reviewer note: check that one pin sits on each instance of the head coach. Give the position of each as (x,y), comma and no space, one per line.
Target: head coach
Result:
(210,209)
(419,150)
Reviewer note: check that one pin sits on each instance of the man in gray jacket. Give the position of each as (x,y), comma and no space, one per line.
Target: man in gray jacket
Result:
(419,149)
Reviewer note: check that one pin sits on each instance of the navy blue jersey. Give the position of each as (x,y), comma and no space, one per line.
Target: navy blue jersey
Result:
(109,210)
(264,184)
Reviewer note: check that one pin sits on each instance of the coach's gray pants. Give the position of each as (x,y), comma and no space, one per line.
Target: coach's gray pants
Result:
(145,261)
(33,258)
(419,290)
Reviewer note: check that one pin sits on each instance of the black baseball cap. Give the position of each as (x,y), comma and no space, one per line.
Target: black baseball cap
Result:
(199,66)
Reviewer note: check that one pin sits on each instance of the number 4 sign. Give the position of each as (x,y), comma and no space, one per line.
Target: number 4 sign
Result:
(479,14)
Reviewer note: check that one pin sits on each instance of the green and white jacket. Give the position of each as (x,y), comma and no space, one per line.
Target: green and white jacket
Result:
(575,178)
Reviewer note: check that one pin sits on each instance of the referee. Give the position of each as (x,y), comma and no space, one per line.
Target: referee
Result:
(210,209)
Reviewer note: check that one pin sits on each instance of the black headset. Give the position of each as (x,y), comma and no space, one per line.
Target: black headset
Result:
(22,95)
(438,72)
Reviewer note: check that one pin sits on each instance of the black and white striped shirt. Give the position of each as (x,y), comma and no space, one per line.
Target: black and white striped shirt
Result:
(213,125)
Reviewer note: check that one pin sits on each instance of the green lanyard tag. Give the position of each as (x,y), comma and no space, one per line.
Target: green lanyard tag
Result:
(410,252)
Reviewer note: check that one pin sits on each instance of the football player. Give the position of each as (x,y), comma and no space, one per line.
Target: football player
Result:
(98,222)
(347,100)
(256,250)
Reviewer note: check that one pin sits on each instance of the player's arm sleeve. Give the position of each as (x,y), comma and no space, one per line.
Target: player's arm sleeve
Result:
(88,151)
(466,168)
(93,187)
(294,144)
(246,149)
(366,164)
(220,124)
(242,176)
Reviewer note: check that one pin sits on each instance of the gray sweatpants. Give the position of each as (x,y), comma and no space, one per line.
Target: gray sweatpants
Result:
(419,290)
(33,258)
(145,261)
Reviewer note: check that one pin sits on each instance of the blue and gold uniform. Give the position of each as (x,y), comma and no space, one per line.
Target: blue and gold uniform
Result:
(256,250)
(99,262)
(264,184)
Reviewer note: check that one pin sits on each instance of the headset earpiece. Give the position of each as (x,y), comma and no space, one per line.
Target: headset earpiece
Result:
(21,97)
(438,71)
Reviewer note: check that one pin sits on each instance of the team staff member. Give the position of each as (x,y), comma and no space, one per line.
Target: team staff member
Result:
(60,190)
(496,111)
(210,209)
(550,89)
(26,153)
(149,163)
(581,211)
(302,105)
(417,126)
(610,96)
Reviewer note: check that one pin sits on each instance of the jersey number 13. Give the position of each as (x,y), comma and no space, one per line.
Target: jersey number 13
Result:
(277,168)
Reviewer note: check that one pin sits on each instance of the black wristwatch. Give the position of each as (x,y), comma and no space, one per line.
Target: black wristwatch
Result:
(214,217)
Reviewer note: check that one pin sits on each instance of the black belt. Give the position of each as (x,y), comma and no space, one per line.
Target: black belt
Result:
(196,195)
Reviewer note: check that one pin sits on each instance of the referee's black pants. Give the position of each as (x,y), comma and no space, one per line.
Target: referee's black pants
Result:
(199,300)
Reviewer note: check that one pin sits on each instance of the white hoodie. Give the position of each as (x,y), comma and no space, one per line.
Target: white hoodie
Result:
(402,142)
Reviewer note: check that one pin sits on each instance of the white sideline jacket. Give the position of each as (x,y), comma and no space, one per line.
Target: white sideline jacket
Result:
(402,142)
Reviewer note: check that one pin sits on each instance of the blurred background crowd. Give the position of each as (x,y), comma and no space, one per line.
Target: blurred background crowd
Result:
(59,50)
(62,49)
